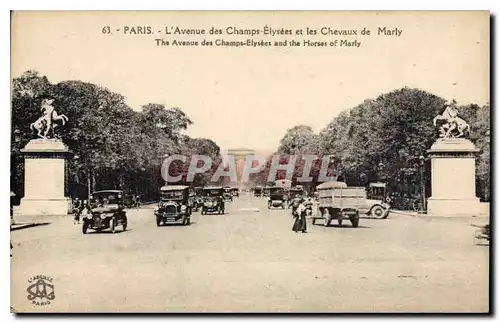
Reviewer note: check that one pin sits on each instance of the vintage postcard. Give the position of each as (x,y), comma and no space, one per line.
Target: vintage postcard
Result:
(250,162)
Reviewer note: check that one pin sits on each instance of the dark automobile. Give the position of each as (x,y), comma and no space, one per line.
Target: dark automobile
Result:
(227,194)
(131,200)
(276,197)
(198,198)
(213,201)
(235,191)
(107,211)
(257,191)
(173,206)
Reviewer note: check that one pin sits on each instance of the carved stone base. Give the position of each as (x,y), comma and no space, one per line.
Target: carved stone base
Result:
(453,175)
(42,207)
(44,178)
(450,207)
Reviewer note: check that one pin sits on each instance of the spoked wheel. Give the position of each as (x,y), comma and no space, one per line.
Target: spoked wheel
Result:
(377,212)
(112,225)
(85,227)
(354,220)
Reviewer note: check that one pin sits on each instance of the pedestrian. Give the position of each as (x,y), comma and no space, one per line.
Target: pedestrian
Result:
(76,211)
(84,210)
(295,204)
(300,219)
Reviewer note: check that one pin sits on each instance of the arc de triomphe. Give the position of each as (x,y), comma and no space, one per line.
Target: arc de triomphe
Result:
(240,156)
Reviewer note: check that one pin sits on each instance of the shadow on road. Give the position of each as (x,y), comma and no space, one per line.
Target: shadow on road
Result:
(108,232)
(177,224)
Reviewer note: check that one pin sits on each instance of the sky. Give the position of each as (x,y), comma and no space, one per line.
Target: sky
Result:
(249,97)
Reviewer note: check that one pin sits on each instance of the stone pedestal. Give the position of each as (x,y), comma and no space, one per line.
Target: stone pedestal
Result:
(44,178)
(453,168)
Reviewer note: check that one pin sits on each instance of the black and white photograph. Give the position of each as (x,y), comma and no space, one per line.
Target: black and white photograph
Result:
(250,162)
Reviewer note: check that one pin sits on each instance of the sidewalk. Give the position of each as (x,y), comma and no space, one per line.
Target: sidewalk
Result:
(475,220)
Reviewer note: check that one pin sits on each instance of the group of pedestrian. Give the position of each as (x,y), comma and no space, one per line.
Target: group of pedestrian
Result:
(80,209)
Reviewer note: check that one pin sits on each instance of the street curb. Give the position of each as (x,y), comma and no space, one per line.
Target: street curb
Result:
(415,214)
(418,215)
(27,225)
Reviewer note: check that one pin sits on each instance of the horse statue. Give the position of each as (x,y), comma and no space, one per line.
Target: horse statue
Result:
(452,126)
(46,124)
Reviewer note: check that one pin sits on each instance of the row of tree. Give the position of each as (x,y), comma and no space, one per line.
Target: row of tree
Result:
(113,146)
(383,140)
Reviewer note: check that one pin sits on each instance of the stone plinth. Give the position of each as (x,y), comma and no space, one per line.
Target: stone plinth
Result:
(44,178)
(453,168)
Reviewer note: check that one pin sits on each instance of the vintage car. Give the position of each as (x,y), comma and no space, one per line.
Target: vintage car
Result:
(198,197)
(192,200)
(378,202)
(131,200)
(235,191)
(107,211)
(213,201)
(276,197)
(257,191)
(296,190)
(337,201)
(173,206)
(227,194)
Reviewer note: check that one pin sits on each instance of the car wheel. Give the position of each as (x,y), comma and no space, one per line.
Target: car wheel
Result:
(124,226)
(188,221)
(112,225)
(328,217)
(85,227)
(377,212)
(158,222)
(354,220)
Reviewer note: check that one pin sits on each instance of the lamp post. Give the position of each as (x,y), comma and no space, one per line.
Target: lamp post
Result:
(422,185)
(78,166)
(380,167)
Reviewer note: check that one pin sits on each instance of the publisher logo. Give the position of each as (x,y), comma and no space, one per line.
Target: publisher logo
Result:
(40,290)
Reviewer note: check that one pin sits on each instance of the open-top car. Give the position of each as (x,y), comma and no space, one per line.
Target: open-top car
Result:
(228,195)
(173,206)
(213,201)
(276,197)
(107,211)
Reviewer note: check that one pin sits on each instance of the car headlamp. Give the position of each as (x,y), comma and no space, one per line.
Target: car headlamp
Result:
(89,216)
(183,208)
(103,216)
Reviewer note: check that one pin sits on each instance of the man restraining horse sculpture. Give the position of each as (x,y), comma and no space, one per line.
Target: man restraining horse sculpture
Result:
(453,126)
(46,124)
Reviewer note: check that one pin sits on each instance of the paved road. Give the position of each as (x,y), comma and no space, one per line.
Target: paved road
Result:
(251,261)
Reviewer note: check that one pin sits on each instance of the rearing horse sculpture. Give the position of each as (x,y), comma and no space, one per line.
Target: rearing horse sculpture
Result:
(47,122)
(454,126)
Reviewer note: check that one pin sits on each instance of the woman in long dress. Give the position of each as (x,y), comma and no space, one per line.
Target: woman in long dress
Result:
(300,219)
